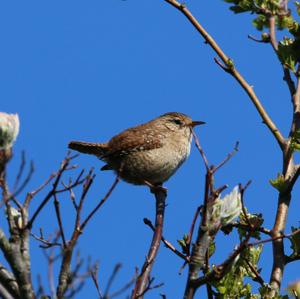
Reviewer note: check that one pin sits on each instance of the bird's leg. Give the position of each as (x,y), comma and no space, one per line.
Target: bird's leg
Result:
(156,187)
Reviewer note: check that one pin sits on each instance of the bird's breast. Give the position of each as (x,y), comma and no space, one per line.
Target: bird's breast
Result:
(156,165)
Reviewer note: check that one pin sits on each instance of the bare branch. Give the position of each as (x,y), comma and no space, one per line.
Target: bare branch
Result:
(111,279)
(94,275)
(258,277)
(125,287)
(190,235)
(143,281)
(167,243)
(58,216)
(264,40)
(63,167)
(64,274)
(87,219)
(197,143)
(229,156)
(242,191)
(150,287)
(273,39)
(8,282)
(30,195)
(47,243)
(20,172)
(233,71)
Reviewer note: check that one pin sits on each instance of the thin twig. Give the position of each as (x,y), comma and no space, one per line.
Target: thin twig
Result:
(63,166)
(86,186)
(264,40)
(87,219)
(150,287)
(233,71)
(143,281)
(191,231)
(94,275)
(229,156)
(197,143)
(47,243)
(20,172)
(30,195)
(242,191)
(167,243)
(282,236)
(59,220)
(64,275)
(26,181)
(51,260)
(111,279)
(258,277)
(125,287)
(295,294)
(72,196)
(220,270)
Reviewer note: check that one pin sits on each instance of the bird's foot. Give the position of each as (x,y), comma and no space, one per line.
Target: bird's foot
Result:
(156,188)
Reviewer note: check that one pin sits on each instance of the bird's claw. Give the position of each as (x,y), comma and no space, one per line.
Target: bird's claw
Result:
(156,188)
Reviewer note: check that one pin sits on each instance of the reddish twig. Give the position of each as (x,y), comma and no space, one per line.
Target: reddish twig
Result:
(258,277)
(64,274)
(58,216)
(229,156)
(30,195)
(265,40)
(232,70)
(94,275)
(63,167)
(87,219)
(143,280)
(197,143)
(166,242)
(191,231)
(242,191)
(47,243)
(20,172)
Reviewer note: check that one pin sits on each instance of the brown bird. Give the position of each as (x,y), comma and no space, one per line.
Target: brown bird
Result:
(148,154)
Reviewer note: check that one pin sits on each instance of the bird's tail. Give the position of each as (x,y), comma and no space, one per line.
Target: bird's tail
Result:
(97,149)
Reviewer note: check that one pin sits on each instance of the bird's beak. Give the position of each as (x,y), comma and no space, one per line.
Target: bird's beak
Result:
(197,123)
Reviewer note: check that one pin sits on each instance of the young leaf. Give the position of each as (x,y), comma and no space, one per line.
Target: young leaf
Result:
(233,285)
(295,243)
(295,141)
(256,222)
(287,53)
(278,183)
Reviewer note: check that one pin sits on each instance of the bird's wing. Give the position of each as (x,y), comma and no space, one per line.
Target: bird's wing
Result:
(140,138)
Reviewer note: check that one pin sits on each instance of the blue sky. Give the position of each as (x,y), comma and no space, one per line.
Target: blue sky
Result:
(77,70)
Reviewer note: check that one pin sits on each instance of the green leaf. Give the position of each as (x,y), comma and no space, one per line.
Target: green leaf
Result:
(287,52)
(233,285)
(260,22)
(264,291)
(225,210)
(183,244)
(297,3)
(285,22)
(278,183)
(230,64)
(295,141)
(211,248)
(240,6)
(255,220)
(295,242)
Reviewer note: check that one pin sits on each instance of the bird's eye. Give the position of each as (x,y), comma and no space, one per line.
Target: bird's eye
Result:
(177,121)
